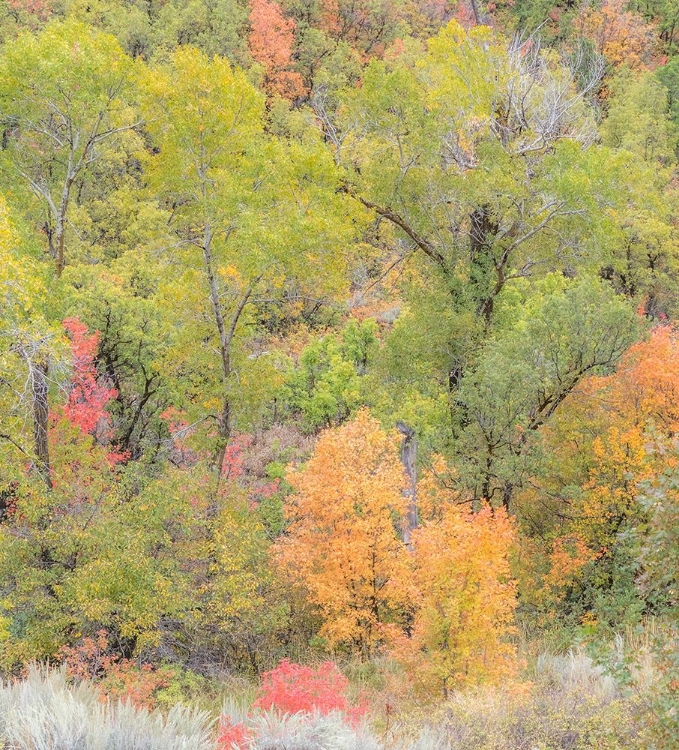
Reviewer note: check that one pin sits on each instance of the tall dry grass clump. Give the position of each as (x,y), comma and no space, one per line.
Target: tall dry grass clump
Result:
(570,705)
(44,712)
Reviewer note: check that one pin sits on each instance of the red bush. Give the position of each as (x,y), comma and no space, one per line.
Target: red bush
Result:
(294,688)
(90,659)
(88,397)
(232,736)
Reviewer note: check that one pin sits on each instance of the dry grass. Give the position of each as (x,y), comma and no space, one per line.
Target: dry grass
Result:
(44,712)
(571,705)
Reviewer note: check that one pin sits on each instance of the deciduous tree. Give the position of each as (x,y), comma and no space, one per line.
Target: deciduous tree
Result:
(466,600)
(620,34)
(260,212)
(343,544)
(65,93)
(271,44)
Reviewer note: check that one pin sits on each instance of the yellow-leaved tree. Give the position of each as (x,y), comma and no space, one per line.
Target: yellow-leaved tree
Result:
(26,344)
(253,221)
(466,596)
(343,545)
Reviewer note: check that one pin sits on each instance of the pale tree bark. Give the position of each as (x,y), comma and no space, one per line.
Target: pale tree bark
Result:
(479,16)
(38,371)
(224,416)
(409,461)
(226,338)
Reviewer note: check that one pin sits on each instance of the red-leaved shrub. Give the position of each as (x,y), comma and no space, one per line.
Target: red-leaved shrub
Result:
(232,736)
(294,688)
(93,659)
(90,659)
(291,689)
(88,396)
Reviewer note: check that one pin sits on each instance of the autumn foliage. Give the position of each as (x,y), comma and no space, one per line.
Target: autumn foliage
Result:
(88,396)
(271,42)
(338,358)
(343,546)
(614,435)
(621,35)
(294,688)
(232,735)
(455,588)
(639,406)
(94,659)
(466,598)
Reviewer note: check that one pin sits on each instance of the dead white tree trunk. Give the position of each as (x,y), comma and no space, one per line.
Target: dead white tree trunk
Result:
(409,461)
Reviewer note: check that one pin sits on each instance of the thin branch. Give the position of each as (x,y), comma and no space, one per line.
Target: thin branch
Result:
(9,439)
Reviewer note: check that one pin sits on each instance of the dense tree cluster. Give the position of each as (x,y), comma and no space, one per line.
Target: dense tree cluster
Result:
(336,327)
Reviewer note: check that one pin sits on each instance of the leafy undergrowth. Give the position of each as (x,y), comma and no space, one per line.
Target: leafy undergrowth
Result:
(569,705)
(297,706)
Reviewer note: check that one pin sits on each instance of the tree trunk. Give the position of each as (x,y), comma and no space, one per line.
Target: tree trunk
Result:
(59,245)
(39,372)
(482,233)
(479,16)
(409,460)
(60,230)
(224,416)
(507,493)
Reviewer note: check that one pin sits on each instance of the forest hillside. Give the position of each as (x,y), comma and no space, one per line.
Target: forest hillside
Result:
(339,375)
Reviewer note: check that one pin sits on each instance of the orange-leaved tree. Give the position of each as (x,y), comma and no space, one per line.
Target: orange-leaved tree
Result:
(620,35)
(343,546)
(639,406)
(625,415)
(609,439)
(271,41)
(466,597)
